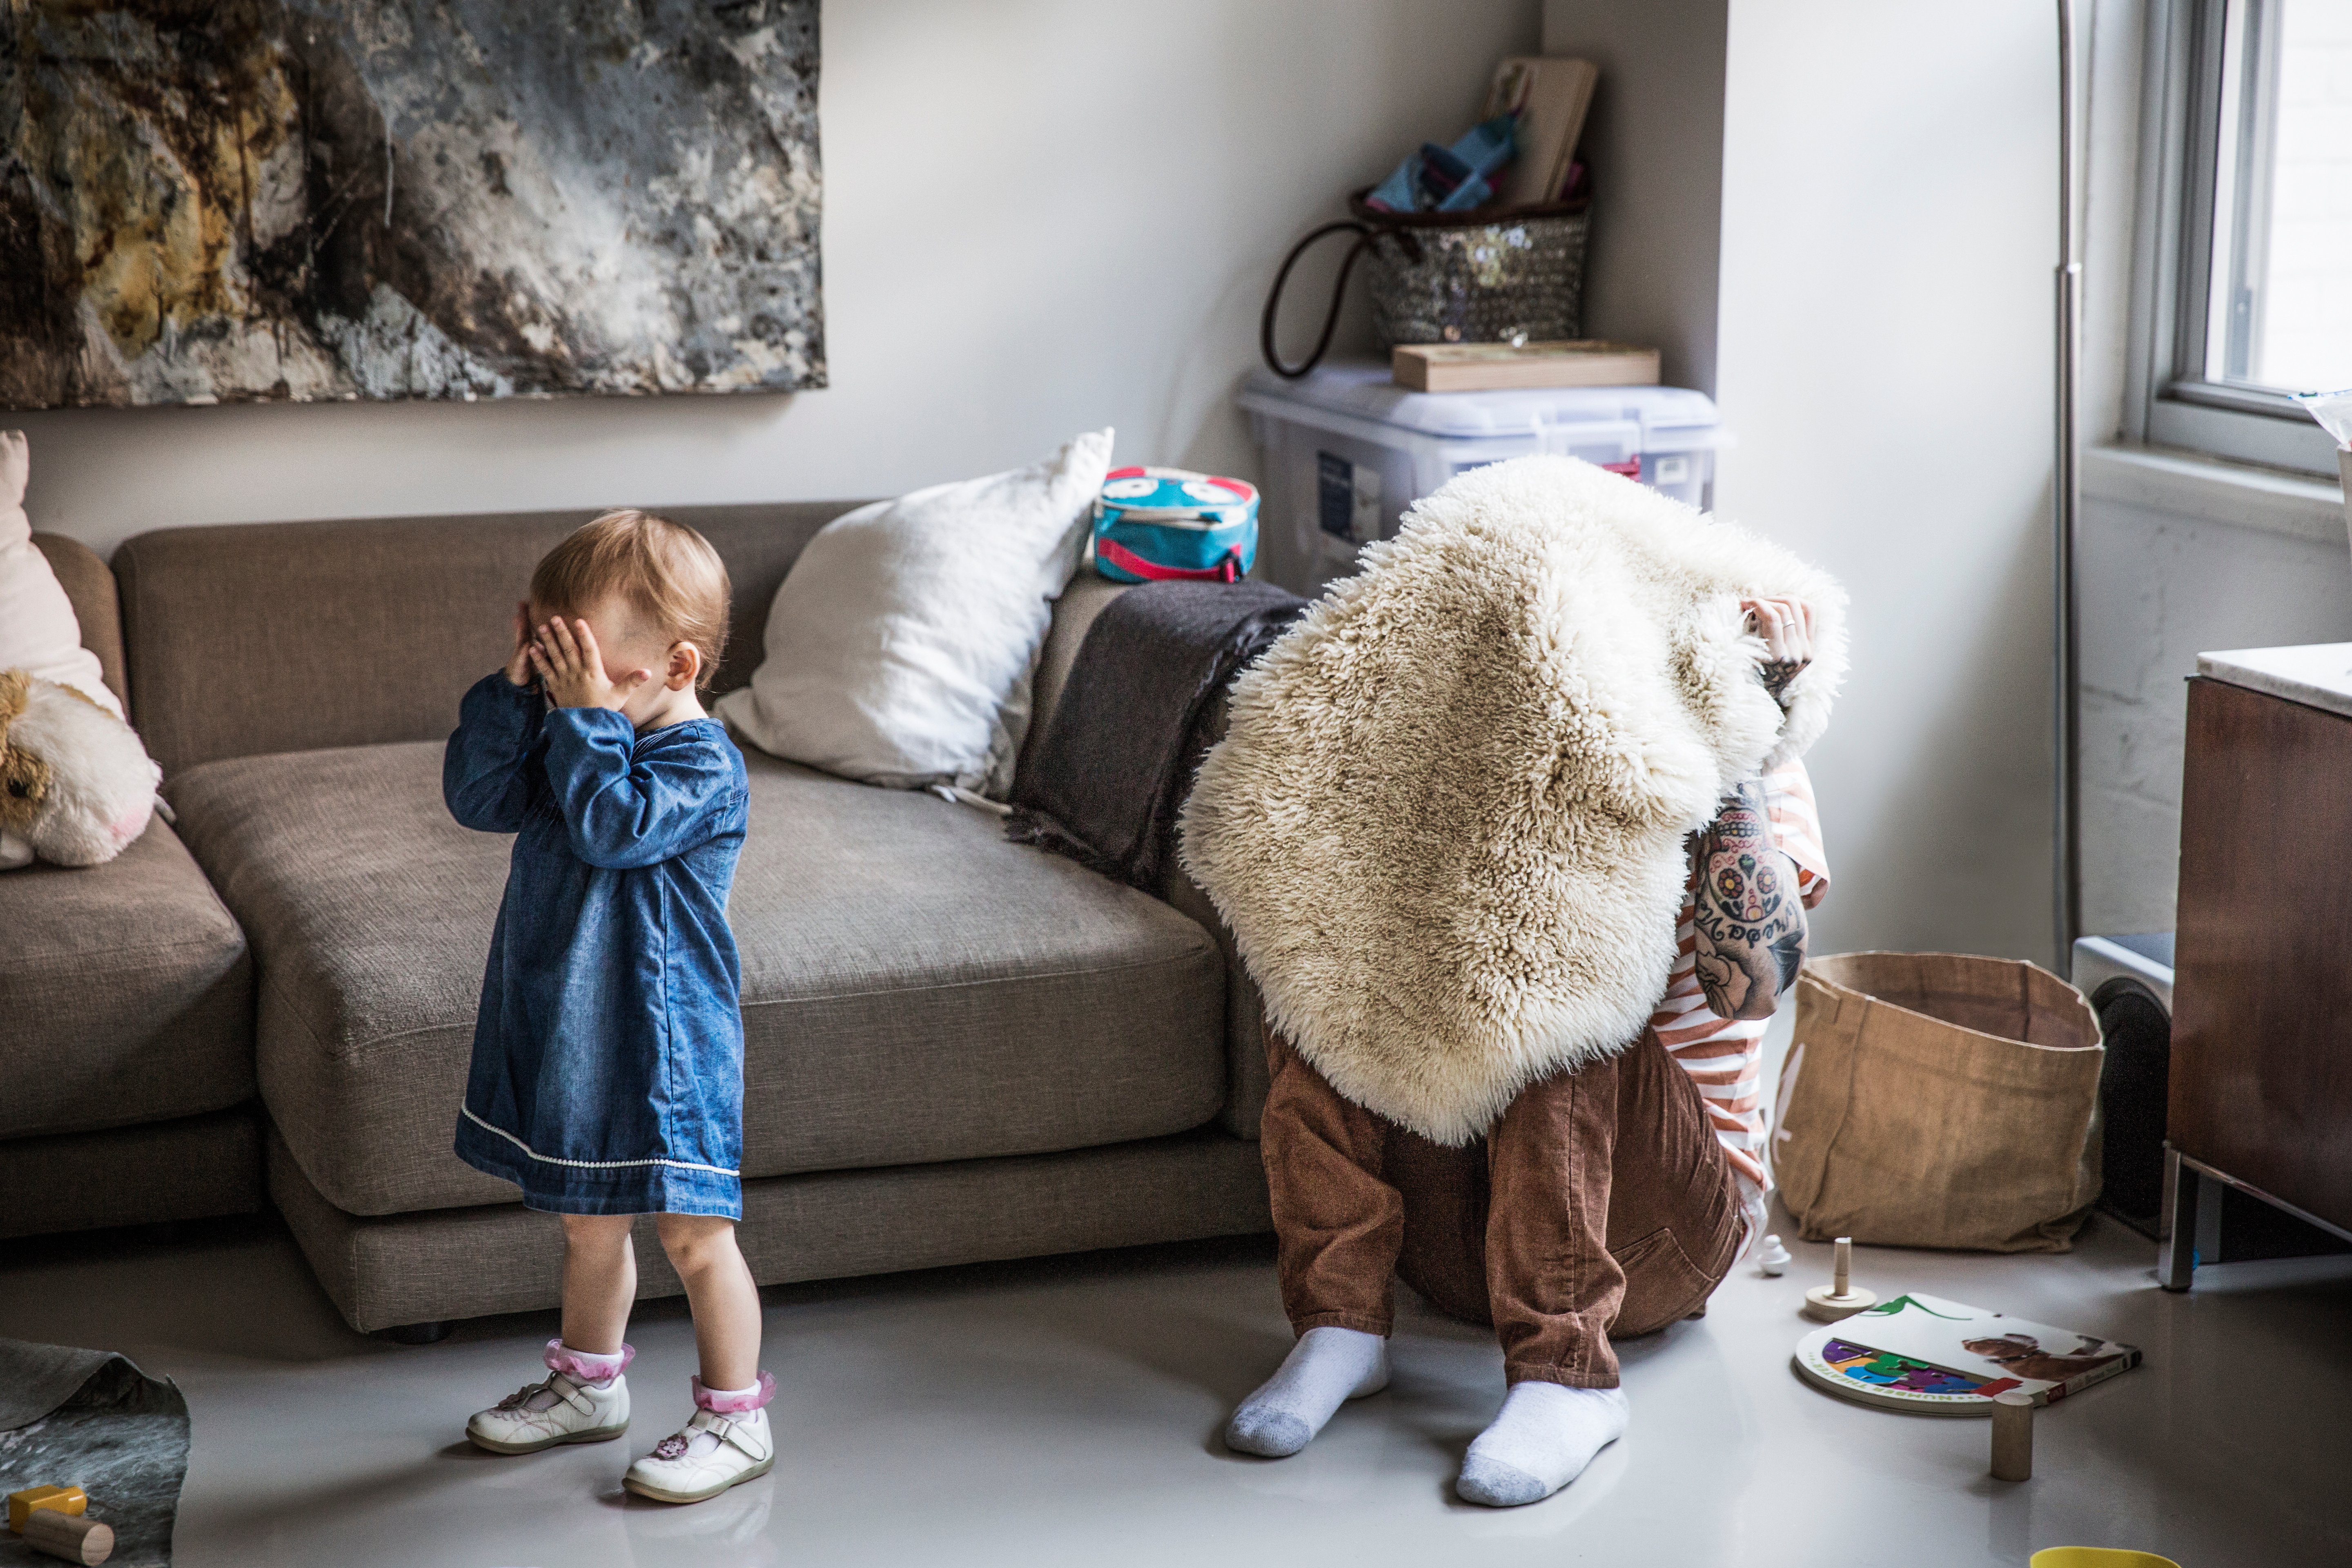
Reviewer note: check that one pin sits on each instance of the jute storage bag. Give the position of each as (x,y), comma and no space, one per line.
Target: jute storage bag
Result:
(1935,1099)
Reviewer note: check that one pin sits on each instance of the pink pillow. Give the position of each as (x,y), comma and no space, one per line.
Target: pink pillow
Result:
(38,629)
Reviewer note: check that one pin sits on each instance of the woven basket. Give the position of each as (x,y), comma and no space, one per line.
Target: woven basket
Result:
(1512,276)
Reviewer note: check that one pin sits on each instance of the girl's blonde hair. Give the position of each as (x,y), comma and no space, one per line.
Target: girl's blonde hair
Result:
(664,569)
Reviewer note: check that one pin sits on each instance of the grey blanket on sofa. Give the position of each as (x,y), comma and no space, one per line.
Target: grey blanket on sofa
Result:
(1102,784)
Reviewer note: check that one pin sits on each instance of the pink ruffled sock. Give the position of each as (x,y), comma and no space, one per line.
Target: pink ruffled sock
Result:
(586,1367)
(735,1401)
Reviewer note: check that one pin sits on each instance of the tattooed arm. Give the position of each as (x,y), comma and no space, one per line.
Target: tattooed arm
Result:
(1749,919)
(1747,916)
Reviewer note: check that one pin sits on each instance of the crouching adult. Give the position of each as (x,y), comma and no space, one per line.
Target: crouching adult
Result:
(1605,1202)
(1513,835)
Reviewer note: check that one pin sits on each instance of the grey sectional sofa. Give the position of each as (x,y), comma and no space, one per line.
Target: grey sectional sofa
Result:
(126,1018)
(957,1048)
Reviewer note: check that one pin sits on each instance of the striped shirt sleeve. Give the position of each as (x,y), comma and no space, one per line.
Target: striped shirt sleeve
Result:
(1724,1057)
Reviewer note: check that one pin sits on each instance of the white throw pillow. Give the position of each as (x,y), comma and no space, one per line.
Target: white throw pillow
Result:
(38,629)
(901,646)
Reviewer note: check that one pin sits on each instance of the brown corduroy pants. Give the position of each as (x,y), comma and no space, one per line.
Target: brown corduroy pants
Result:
(1599,1204)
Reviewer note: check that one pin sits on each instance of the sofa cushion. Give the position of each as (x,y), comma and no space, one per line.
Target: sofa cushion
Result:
(126,997)
(914,988)
(298,608)
(191,1167)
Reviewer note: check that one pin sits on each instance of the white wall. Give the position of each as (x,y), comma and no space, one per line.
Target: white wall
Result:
(1044,215)
(1889,181)
(1041,217)
(1655,148)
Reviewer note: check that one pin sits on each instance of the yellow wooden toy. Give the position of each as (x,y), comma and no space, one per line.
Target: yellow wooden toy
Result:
(65,1499)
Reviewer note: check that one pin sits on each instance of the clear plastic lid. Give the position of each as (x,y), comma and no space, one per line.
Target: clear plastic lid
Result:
(1362,389)
(2333,410)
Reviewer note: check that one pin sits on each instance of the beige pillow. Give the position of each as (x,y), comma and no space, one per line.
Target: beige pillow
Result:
(902,645)
(38,629)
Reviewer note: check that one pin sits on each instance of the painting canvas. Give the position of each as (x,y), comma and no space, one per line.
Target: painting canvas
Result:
(307,200)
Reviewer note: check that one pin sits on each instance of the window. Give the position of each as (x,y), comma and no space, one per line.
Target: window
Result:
(2244,284)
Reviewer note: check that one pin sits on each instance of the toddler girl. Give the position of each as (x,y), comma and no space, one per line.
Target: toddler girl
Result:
(607,1078)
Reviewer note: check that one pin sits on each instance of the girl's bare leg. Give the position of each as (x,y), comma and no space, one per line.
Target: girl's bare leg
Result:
(719,1291)
(600,1281)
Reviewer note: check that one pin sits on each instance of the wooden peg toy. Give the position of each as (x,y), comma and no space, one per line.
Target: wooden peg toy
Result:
(1771,1258)
(1839,1298)
(2012,1436)
(63,1499)
(75,1538)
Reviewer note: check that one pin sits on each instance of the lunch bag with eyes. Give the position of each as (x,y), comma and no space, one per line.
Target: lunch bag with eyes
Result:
(1157,524)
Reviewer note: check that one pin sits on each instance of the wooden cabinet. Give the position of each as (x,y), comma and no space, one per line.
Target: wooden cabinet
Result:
(2261,1091)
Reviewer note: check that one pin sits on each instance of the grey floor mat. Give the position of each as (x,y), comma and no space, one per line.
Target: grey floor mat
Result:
(109,1428)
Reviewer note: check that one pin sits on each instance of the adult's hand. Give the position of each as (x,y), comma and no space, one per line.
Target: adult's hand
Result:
(1786,626)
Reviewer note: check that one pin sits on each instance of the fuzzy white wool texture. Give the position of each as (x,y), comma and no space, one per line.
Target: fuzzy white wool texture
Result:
(101,782)
(1447,825)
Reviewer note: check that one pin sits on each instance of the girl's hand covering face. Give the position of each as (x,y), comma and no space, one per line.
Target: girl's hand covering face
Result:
(571,667)
(519,666)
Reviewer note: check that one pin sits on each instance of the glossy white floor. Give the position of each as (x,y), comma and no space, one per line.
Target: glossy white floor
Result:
(1067,1412)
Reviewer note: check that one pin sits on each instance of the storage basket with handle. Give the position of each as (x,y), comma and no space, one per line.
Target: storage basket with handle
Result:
(1510,275)
(1937,1100)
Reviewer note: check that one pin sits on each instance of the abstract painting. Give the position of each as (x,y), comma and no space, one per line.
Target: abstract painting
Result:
(210,201)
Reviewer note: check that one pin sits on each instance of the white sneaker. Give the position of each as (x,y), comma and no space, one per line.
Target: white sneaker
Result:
(709,1454)
(561,1410)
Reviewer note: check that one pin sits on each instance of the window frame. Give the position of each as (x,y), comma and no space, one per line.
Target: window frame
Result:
(2168,402)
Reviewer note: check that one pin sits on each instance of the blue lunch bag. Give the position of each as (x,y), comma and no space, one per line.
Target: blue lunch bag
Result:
(1153,524)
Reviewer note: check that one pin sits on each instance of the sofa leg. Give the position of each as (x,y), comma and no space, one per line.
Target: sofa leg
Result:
(418,1333)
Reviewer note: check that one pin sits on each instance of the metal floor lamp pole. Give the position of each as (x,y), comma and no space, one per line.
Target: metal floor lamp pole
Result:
(2065,497)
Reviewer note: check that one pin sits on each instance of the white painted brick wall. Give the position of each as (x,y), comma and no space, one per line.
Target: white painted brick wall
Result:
(2158,590)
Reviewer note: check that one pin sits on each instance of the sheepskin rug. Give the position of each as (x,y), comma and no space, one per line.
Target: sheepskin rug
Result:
(1448,823)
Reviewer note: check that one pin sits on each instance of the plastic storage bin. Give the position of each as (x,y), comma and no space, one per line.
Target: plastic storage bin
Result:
(1345,452)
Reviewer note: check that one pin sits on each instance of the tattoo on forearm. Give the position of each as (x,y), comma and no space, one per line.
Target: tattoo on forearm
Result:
(1777,673)
(1748,919)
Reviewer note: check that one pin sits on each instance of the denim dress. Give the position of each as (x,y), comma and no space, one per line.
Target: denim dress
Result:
(608,1054)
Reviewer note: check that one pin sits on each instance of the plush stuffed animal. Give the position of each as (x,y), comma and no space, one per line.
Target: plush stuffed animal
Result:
(76,786)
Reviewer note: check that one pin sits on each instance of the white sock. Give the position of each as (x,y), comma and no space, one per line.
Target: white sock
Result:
(1543,1437)
(1327,1368)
